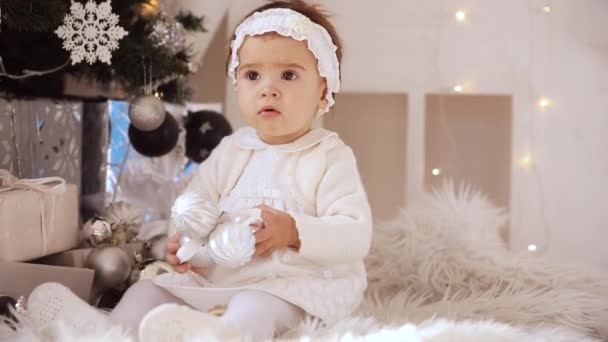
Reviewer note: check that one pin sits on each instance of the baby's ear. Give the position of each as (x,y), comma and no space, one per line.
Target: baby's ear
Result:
(323,99)
(323,102)
(323,85)
(324,92)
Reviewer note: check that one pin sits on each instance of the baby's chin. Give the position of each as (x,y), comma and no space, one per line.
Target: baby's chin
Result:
(277,135)
(271,131)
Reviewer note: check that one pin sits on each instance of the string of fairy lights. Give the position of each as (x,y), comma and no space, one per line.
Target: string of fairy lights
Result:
(542,103)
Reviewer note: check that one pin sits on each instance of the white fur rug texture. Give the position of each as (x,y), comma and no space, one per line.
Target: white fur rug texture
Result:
(439,271)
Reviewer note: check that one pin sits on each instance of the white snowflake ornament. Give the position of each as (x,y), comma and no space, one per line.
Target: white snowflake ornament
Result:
(90,32)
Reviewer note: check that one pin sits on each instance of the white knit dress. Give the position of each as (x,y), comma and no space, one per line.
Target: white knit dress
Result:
(329,291)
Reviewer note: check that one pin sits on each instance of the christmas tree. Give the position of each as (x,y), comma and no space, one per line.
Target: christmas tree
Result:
(130,44)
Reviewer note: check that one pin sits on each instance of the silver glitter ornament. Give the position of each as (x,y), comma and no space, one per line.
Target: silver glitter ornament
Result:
(97,231)
(169,34)
(147,112)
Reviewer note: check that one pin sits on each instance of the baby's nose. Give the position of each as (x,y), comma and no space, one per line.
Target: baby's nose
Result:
(270,92)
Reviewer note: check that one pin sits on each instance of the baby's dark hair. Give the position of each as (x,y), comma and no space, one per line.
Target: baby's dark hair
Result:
(314,12)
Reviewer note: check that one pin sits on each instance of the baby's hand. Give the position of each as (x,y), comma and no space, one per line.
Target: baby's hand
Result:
(172,246)
(278,231)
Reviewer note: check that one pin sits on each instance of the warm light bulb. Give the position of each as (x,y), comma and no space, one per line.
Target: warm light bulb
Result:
(458,88)
(547,9)
(436,172)
(544,103)
(460,15)
(532,248)
(150,8)
(157,94)
(526,161)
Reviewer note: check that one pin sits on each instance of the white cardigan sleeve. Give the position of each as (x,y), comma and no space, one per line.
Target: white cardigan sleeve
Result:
(342,230)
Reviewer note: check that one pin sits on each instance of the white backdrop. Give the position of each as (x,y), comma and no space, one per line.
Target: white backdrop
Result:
(530,49)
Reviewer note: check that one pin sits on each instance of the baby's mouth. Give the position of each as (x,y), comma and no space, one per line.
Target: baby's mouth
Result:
(268,111)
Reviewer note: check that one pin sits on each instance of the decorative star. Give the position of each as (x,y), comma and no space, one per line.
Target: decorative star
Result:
(206,127)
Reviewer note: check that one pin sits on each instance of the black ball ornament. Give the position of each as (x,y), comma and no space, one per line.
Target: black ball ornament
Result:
(204,131)
(6,304)
(157,142)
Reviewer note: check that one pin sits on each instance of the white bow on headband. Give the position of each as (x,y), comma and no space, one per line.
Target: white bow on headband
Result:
(290,23)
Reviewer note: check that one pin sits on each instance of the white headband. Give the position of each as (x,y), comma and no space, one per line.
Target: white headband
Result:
(289,23)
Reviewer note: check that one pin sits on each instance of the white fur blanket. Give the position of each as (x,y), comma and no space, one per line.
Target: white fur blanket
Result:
(440,272)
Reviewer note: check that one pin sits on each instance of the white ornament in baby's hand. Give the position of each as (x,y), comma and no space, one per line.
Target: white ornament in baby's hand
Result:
(197,254)
(232,244)
(194,218)
(204,242)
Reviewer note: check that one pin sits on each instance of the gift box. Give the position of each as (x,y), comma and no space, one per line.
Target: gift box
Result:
(78,257)
(67,138)
(72,258)
(37,219)
(41,138)
(19,279)
(101,295)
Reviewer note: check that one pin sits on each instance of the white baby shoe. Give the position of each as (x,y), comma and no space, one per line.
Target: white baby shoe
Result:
(53,302)
(173,322)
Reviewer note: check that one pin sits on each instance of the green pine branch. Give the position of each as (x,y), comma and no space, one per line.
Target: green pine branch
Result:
(32,15)
(28,41)
(190,21)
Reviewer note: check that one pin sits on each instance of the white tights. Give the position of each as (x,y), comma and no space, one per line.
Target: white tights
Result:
(258,314)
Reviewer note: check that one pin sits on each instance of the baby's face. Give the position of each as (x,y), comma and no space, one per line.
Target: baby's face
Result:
(279,89)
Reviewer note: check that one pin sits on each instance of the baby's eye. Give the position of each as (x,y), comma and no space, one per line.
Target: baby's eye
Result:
(289,76)
(252,75)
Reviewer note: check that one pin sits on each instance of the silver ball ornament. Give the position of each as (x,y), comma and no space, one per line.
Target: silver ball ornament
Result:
(147,113)
(112,266)
(97,231)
